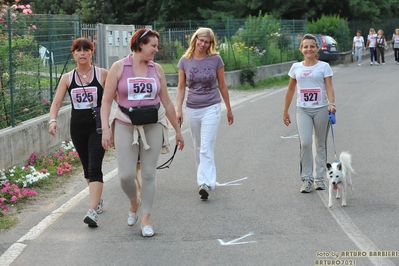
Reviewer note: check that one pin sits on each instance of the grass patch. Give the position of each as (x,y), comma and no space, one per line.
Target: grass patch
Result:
(264,83)
(169,68)
(7,221)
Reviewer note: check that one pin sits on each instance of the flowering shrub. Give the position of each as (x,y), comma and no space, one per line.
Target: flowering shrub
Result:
(14,182)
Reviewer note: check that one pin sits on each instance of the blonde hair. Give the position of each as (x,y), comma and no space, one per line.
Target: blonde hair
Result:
(202,32)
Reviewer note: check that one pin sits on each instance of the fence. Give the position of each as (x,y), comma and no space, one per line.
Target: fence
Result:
(241,42)
(34,52)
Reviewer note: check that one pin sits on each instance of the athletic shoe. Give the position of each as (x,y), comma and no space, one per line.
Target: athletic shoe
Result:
(359,64)
(132,216)
(371,63)
(377,64)
(319,185)
(383,63)
(91,218)
(204,191)
(100,206)
(147,231)
(306,186)
(397,63)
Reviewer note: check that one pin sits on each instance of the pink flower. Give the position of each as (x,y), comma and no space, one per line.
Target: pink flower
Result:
(2,200)
(25,110)
(59,171)
(34,27)
(5,207)
(14,198)
(44,100)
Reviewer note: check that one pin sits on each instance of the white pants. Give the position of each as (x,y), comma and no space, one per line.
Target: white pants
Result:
(204,123)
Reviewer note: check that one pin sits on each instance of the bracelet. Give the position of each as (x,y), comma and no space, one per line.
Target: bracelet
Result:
(51,121)
(333,104)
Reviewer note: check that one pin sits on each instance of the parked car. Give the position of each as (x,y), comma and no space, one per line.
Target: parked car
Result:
(328,48)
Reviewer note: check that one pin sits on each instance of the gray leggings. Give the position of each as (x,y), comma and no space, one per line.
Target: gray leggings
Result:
(311,120)
(127,156)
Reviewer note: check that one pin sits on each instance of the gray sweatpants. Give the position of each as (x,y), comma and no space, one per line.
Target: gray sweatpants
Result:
(127,155)
(309,121)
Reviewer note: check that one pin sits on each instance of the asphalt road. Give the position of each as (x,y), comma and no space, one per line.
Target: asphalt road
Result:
(260,217)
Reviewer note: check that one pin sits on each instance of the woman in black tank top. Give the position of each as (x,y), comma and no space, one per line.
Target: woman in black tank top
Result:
(84,85)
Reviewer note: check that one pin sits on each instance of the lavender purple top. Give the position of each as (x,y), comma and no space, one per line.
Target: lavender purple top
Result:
(202,80)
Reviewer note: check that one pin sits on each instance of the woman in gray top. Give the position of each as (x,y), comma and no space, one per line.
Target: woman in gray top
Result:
(202,69)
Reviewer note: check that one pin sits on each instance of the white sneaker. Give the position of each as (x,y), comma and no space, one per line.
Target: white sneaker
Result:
(371,63)
(100,206)
(147,231)
(132,216)
(359,64)
(307,186)
(91,218)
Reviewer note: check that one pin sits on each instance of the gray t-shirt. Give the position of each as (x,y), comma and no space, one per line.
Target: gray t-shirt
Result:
(201,79)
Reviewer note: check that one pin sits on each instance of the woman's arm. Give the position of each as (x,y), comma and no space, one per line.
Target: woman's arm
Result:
(57,102)
(330,94)
(110,87)
(181,90)
(169,107)
(224,91)
(288,99)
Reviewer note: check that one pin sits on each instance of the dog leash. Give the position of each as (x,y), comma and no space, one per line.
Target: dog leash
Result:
(168,162)
(331,117)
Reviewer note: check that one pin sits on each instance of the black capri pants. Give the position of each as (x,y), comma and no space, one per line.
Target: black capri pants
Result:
(88,145)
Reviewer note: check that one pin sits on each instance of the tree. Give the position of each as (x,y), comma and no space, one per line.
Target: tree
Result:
(68,7)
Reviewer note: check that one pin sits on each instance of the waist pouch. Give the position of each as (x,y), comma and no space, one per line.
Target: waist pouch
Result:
(142,115)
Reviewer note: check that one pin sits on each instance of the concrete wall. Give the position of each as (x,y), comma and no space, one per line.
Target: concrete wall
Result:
(19,142)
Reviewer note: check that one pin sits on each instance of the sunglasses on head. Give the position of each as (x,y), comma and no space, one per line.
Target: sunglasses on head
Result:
(145,33)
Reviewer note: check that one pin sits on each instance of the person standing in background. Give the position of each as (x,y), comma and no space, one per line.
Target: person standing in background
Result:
(311,82)
(381,43)
(395,45)
(358,47)
(202,68)
(371,39)
(84,85)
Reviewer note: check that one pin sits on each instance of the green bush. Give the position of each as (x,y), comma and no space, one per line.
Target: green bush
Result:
(335,27)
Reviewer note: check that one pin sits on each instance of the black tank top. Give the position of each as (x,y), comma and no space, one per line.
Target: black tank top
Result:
(85,115)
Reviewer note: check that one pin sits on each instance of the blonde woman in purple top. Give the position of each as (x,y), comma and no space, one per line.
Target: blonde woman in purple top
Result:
(202,69)
(137,81)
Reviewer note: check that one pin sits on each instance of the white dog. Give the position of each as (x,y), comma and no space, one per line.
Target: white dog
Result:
(339,175)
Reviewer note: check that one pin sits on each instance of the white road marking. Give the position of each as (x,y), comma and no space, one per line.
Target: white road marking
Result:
(235,241)
(290,137)
(354,233)
(231,183)
(16,249)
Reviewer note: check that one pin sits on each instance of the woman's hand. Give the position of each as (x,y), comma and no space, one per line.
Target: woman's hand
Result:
(286,119)
(107,139)
(230,117)
(332,108)
(53,128)
(179,140)
(179,115)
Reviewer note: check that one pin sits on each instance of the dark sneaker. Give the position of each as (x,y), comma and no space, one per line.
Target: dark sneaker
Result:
(204,191)
(100,206)
(306,186)
(91,218)
(319,185)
